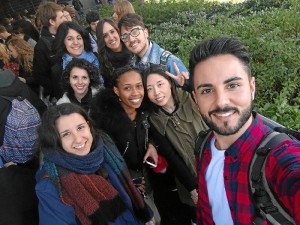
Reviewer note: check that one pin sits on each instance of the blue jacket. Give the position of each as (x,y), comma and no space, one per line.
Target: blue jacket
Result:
(53,211)
(155,56)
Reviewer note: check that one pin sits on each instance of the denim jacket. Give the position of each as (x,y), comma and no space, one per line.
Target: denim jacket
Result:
(153,55)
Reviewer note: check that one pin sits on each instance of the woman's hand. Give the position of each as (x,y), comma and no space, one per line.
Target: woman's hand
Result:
(152,153)
(180,78)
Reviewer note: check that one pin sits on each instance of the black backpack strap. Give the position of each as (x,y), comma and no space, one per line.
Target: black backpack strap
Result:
(200,143)
(279,128)
(268,205)
(10,98)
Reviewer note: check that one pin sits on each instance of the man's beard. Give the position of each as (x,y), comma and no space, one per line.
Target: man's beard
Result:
(227,130)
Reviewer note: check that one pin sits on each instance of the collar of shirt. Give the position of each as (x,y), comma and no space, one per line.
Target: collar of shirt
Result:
(145,58)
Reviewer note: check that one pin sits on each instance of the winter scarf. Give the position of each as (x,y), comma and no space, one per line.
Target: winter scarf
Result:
(91,195)
(88,56)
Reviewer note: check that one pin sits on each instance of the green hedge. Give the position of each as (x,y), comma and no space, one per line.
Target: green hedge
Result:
(269,28)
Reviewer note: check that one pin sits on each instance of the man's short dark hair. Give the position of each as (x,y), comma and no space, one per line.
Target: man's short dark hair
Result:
(218,46)
(92,16)
(130,20)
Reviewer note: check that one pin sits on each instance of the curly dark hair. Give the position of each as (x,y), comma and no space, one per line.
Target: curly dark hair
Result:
(62,32)
(82,64)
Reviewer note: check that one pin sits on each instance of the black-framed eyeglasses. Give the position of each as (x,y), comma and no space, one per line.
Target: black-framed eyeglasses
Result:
(134,33)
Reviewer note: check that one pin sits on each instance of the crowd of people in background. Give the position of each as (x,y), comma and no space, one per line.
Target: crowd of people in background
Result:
(120,117)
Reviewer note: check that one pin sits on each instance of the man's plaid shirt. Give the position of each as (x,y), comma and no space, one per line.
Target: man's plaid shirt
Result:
(282,172)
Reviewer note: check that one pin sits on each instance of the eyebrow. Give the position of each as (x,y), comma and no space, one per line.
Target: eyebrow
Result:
(69,130)
(225,82)
(112,29)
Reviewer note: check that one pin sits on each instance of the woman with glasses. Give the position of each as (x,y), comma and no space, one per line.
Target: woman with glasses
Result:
(175,116)
(113,53)
(83,178)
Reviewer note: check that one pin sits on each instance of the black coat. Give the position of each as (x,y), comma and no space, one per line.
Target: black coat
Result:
(129,136)
(43,59)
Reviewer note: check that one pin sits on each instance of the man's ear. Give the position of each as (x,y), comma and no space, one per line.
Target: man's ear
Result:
(51,22)
(252,87)
(146,32)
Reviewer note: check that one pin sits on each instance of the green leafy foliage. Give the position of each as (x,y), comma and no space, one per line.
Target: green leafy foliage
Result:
(269,28)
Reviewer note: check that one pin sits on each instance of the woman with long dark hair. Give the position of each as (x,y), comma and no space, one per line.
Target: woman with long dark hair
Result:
(83,178)
(112,52)
(176,117)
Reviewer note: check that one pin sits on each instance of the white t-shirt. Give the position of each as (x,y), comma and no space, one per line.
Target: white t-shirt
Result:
(216,189)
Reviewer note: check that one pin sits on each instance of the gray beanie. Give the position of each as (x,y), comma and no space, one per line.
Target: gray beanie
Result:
(6,78)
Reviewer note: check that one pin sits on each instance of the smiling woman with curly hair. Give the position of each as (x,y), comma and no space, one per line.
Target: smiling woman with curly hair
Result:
(80,82)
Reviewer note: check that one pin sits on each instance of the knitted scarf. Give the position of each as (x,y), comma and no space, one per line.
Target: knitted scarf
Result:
(88,56)
(92,196)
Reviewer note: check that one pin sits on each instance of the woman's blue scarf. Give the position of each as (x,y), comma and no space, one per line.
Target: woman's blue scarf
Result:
(88,56)
(87,164)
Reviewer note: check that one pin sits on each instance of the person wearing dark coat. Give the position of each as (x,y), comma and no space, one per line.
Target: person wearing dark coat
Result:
(43,54)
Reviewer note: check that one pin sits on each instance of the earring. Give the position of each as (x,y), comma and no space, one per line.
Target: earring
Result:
(120,100)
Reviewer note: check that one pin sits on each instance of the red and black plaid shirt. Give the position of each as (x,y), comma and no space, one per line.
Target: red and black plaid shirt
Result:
(282,172)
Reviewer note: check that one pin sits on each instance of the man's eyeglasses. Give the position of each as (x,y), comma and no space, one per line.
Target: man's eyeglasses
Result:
(134,33)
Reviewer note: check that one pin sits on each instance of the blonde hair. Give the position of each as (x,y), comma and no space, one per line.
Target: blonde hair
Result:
(25,53)
(122,7)
(4,56)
